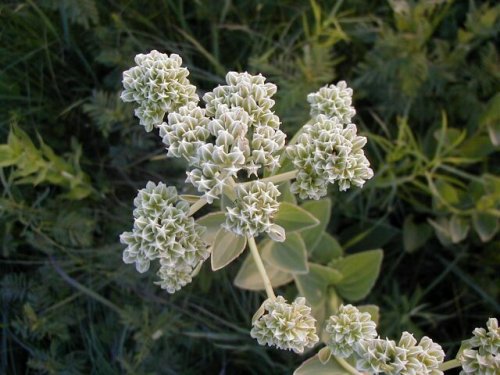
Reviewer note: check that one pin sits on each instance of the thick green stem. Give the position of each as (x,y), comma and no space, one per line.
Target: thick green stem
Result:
(197,205)
(281,177)
(448,365)
(260,267)
(347,366)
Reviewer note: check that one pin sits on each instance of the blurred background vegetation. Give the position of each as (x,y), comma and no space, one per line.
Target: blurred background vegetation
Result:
(426,77)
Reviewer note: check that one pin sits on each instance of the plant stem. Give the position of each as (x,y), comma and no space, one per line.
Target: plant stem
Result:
(260,267)
(448,365)
(281,177)
(196,206)
(347,366)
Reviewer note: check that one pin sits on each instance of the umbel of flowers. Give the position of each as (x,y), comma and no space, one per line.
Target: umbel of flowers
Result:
(481,354)
(286,326)
(352,334)
(235,135)
(164,231)
(230,143)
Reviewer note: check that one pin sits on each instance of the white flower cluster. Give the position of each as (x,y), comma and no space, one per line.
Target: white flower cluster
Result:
(352,333)
(404,358)
(327,152)
(158,84)
(185,132)
(347,328)
(286,326)
(333,101)
(482,353)
(215,163)
(236,131)
(256,204)
(164,231)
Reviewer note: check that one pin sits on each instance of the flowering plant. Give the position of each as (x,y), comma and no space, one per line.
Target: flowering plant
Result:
(239,162)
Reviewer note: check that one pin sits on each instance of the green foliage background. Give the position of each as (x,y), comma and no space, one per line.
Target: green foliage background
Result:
(426,80)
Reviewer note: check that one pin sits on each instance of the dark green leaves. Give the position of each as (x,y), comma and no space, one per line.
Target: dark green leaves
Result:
(486,225)
(415,235)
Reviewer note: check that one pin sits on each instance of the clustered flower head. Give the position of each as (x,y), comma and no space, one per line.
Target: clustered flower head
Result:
(285,326)
(352,333)
(251,94)
(163,230)
(158,84)
(327,152)
(404,358)
(333,101)
(185,132)
(237,130)
(254,208)
(347,328)
(482,353)
(215,163)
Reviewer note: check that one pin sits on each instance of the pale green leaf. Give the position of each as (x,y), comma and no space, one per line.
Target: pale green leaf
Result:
(327,249)
(190,198)
(321,210)
(329,274)
(212,222)
(324,354)
(313,366)
(486,225)
(494,133)
(360,271)
(446,192)
(312,286)
(7,156)
(294,218)
(249,278)
(286,194)
(288,256)
(441,229)
(226,248)
(459,228)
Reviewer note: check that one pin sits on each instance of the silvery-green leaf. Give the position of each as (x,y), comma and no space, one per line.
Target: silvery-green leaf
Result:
(359,271)
(190,198)
(249,278)
(226,248)
(324,354)
(293,217)
(212,222)
(327,248)
(289,255)
(486,225)
(321,210)
(313,366)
